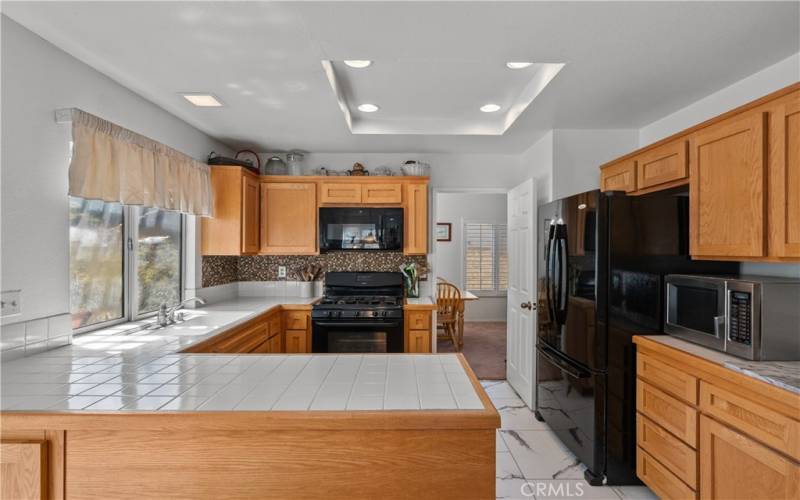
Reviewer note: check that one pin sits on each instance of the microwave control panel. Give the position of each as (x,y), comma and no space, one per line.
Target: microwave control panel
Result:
(740,317)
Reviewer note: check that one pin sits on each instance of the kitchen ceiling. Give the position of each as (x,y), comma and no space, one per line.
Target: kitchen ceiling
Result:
(434,64)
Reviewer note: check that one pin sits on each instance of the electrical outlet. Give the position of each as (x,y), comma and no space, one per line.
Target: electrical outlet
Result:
(9,302)
(281,271)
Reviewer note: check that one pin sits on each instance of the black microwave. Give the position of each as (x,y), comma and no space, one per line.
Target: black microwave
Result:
(360,229)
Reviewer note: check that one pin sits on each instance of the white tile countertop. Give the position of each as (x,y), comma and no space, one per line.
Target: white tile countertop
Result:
(125,368)
(421,301)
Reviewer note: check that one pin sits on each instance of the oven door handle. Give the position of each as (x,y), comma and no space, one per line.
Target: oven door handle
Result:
(353,324)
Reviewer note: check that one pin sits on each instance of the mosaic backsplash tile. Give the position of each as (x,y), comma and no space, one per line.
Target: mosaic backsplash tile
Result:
(219,270)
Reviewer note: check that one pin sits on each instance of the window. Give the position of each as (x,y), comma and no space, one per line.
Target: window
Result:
(111,281)
(485,258)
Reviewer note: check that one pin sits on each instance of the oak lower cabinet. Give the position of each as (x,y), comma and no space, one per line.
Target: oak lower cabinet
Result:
(705,431)
(255,336)
(418,325)
(288,218)
(234,227)
(416,219)
(297,331)
(24,470)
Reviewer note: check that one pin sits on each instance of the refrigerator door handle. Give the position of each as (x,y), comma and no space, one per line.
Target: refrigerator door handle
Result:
(562,283)
(548,269)
(561,364)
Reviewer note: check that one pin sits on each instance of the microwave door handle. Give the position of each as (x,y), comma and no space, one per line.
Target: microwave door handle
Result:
(719,327)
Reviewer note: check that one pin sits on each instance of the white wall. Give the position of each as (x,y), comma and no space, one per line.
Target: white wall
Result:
(458,208)
(757,85)
(447,170)
(768,80)
(537,163)
(38,78)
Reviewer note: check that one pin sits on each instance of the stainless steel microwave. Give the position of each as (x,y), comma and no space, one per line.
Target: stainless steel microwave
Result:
(753,317)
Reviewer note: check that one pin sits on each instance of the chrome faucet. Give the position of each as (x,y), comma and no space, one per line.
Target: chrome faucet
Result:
(166,315)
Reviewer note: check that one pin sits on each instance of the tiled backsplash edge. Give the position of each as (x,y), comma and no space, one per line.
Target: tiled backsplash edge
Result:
(220,270)
(34,336)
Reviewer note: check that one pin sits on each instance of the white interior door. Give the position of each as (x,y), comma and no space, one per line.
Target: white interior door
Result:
(521,341)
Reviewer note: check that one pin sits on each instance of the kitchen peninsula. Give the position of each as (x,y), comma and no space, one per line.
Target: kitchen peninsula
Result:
(125,403)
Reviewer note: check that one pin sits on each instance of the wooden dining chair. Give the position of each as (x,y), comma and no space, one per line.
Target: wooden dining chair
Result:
(448,305)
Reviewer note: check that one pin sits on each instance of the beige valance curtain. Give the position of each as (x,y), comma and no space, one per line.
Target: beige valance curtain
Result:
(114,164)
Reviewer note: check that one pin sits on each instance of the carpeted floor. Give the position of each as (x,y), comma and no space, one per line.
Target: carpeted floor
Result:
(484,348)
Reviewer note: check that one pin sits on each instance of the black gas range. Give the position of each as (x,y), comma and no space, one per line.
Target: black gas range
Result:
(360,312)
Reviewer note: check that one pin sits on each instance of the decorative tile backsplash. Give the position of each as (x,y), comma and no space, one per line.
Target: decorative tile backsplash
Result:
(219,270)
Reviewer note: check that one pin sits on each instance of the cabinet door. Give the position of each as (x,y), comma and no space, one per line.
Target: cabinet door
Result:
(339,192)
(733,465)
(619,177)
(419,341)
(382,193)
(249,215)
(24,467)
(296,341)
(416,220)
(784,187)
(275,344)
(668,163)
(288,218)
(727,188)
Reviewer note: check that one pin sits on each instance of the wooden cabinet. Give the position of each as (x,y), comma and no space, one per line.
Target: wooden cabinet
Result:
(339,192)
(297,325)
(388,193)
(24,470)
(727,188)
(296,341)
(253,336)
(736,466)
(784,179)
(664,166)
(234,227)
(619,177)
(417,324)
(416,219)
(740,438)
(288,218)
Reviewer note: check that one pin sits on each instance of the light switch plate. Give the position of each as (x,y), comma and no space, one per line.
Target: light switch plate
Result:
(9,300)
(281,271)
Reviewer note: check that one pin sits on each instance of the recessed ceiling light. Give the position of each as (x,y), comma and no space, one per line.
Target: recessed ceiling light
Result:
(368,108)
(358,63)
(518,65)
(203,100)
(490,108)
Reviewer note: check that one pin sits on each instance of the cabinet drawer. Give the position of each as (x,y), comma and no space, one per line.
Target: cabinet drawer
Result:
(664,483)
(335,192)
(419,341)
(296,320)
(667,163)
(665,377)
(670,413)
(619,177)
(763,424)
(382,193)
(671,452)
(419,320)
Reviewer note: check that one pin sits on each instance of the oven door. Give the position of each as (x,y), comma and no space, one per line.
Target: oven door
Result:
(360,229)
(695,309)
(333,336)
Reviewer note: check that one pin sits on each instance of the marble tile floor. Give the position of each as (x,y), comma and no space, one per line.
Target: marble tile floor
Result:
(532,463)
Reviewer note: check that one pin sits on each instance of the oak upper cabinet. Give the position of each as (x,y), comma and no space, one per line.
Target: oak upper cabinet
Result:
(234,228)
(727,198)
(620,176)
(332,193)
(388,193)
(416,219)
(664,166)
(784,178)
(288,218)
(736,466)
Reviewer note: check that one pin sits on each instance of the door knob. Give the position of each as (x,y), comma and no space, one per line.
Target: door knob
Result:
(528,305)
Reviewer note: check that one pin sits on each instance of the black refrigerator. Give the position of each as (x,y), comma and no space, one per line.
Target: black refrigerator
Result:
(602,258)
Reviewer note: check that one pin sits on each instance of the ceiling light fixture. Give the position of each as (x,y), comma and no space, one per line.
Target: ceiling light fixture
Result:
(368,108)
(203,100)
(490,108)
(518,65)
(358,63)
